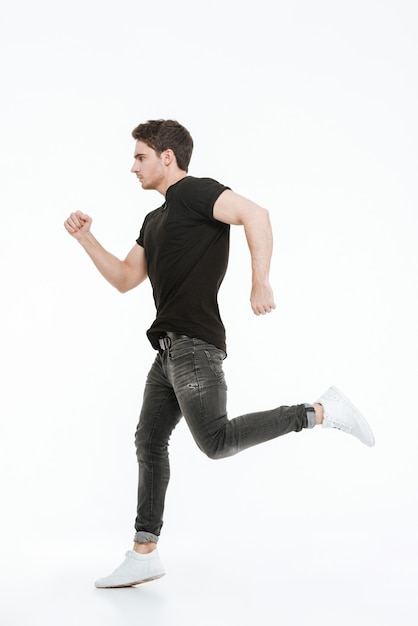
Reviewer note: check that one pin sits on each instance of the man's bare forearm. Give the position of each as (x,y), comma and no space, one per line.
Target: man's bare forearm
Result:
(260,243)
(110,267)
(259,236)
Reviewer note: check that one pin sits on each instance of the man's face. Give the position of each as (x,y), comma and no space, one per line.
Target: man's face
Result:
(148,167)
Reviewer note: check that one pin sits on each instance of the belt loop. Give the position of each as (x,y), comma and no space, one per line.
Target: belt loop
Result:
(165,342)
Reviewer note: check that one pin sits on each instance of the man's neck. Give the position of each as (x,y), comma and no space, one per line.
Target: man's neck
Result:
(170,180)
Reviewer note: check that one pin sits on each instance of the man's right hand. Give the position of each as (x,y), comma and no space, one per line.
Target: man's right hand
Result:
(78,224)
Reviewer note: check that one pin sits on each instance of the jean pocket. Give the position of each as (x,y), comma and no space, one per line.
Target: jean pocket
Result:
(215,358)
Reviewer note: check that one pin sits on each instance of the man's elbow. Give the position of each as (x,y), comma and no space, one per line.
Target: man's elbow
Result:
(255,215)
(129,282)
(261,216)
(122,288)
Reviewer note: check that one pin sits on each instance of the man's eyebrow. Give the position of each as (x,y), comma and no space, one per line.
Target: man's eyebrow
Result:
(138,154)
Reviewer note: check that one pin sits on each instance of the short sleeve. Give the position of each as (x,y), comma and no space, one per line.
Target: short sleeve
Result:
(200,194)
(140,240)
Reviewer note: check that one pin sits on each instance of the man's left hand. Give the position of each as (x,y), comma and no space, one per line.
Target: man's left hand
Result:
(262,299)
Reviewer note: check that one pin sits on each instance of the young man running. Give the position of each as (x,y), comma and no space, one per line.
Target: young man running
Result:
(183,249)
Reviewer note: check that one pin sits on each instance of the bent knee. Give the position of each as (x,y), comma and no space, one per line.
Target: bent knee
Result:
(216,451)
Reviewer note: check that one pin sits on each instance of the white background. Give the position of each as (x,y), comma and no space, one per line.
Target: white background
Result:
(308,108)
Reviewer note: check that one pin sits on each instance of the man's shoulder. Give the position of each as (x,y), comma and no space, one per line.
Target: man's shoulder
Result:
(199,180)
(197,196)
(204,186)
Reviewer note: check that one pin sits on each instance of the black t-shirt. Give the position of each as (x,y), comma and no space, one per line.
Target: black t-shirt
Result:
(187,256)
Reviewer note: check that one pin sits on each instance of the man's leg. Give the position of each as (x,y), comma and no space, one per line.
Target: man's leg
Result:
(159,415)
(194,368)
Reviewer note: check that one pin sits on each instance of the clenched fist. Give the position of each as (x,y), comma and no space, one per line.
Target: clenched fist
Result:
(78,224)
(262,299)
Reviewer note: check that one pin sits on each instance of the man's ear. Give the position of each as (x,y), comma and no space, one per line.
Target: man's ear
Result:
(168,156)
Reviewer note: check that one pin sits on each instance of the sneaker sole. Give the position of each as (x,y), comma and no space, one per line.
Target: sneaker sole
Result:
(139,582)
(361,420)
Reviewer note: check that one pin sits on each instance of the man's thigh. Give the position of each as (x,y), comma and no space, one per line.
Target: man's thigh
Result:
(160,411)
(198,380)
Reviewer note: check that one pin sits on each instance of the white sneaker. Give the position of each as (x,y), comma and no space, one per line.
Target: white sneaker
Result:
(340,413)
(136,569)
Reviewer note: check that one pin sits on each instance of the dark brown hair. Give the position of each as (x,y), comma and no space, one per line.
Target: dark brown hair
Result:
(161,135)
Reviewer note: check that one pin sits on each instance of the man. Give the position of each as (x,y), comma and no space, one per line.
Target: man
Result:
(183,248)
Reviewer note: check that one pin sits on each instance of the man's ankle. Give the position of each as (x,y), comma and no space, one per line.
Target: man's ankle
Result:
(319,413)
(144,548)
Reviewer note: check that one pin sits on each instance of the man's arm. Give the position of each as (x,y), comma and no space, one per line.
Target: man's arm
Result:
(124,275)
(232,208)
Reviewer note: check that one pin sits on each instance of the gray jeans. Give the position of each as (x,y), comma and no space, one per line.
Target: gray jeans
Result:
(187,380)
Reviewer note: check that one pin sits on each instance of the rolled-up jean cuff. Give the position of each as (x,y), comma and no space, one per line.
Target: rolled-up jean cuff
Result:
(141,536)
(310,415)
